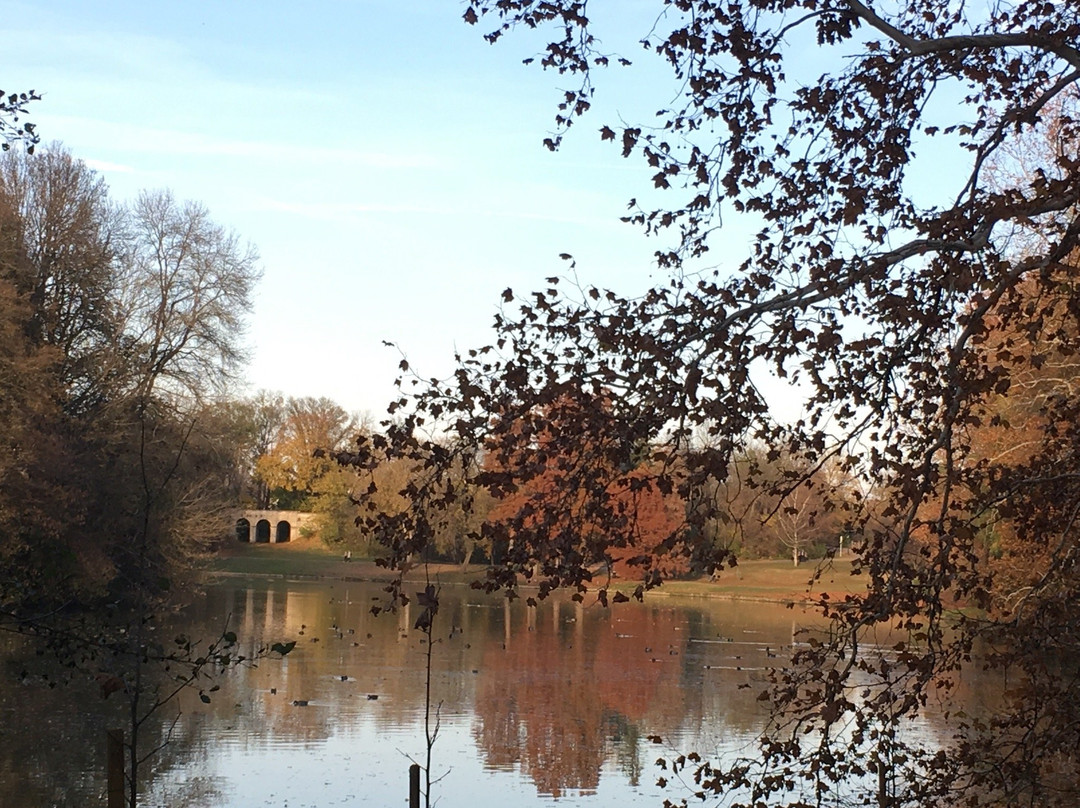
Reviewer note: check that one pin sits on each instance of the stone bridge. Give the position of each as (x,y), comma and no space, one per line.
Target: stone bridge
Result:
(271,527)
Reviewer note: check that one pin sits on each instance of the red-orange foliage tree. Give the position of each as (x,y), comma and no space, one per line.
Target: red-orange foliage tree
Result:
(878,293)
(597,510)
(653,518)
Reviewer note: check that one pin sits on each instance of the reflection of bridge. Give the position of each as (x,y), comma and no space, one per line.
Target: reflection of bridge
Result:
(272,527)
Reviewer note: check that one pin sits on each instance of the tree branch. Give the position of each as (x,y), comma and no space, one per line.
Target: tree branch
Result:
(926,47)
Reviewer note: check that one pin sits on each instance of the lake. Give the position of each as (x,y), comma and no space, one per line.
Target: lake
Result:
(553,703)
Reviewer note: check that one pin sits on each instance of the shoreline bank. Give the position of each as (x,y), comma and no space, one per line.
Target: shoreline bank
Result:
(767,581)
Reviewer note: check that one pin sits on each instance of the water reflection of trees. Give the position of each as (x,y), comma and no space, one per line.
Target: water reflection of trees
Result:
(55,720)
(556,692)
(568,683)
(43,756)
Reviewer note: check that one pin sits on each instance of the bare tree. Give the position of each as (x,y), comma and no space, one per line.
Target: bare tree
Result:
(186,284)
(793,521)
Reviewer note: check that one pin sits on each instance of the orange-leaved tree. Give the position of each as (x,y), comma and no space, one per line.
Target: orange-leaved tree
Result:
(566,517)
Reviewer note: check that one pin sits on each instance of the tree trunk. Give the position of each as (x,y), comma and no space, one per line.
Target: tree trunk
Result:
(468,557)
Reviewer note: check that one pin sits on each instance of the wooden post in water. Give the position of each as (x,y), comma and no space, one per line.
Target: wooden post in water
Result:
(414,786)
(114,764)
(884,772)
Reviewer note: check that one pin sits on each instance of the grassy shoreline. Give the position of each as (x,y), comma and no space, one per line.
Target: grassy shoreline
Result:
(772,580)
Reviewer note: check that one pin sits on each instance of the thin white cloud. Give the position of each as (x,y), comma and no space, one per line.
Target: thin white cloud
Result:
(105,165)
(330,211)
(157,141)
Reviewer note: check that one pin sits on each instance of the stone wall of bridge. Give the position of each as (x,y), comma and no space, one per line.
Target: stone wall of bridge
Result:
(272,527)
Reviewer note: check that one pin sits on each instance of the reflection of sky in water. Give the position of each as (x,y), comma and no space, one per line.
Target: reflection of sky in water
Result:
(555,703)
(364,765)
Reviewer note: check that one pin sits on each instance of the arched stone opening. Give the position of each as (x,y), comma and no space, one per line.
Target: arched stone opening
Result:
(262,531)
(283,532)
(243,530)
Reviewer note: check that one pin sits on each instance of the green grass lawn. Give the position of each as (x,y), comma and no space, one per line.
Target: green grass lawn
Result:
(776,580)
(279,559)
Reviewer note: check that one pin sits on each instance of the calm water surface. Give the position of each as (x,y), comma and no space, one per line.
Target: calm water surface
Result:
(534,704)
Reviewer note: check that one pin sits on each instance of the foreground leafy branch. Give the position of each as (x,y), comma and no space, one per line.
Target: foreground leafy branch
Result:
(929,328)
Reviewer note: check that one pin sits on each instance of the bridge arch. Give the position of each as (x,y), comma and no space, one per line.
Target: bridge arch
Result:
(272,527)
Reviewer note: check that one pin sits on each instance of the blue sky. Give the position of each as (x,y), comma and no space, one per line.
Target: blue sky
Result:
(384,159)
